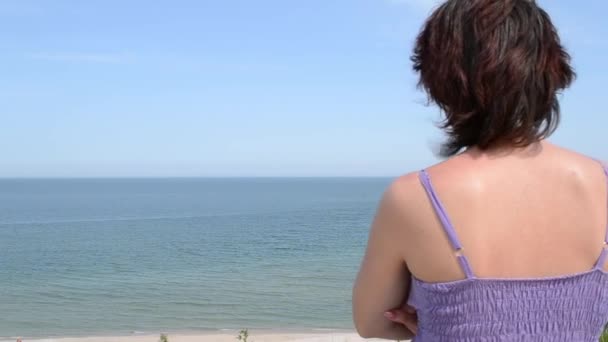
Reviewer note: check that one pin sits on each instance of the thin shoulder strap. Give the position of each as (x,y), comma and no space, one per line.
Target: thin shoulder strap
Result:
(602,259)
(446,223)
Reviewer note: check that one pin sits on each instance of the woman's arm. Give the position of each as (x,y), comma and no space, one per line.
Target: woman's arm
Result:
(383,280)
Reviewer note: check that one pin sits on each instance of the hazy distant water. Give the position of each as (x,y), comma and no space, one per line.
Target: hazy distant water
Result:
(81,257)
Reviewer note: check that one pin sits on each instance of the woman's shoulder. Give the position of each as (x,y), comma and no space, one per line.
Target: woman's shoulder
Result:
(407,189)
(577,167)
(469,177)
(469,171)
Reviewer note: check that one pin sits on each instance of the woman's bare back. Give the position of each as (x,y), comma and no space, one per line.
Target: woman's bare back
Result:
(540,211)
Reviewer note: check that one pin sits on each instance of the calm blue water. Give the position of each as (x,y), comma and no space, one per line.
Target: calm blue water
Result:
(89,257)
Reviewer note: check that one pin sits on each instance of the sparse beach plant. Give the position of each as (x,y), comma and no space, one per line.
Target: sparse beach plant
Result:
(243,335)
(604,337)
(163,338)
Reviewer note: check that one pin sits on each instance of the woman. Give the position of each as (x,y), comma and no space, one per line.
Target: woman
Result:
(505,240)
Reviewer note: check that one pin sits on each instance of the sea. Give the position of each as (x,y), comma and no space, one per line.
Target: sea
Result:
(95,257)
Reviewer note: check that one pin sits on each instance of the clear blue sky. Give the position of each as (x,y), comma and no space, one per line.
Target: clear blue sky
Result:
(242,87)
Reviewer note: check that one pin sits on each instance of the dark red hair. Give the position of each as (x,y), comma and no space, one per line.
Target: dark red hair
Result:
(494,67)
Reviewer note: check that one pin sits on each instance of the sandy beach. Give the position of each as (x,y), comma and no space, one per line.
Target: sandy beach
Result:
(217,337)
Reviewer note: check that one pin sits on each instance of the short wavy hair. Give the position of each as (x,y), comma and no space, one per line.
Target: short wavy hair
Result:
(494,68)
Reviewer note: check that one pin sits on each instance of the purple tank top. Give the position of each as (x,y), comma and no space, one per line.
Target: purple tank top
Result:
(568,308)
